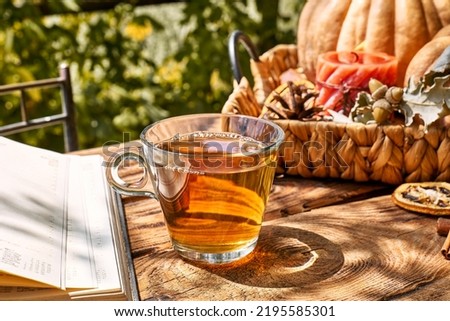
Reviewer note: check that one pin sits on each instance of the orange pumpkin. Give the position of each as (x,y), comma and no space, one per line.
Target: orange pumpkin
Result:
(426,57)
(396,27)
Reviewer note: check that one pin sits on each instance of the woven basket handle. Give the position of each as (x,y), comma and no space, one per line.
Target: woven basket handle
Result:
(237,37)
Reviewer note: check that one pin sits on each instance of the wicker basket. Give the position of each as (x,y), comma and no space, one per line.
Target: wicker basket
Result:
(390,154)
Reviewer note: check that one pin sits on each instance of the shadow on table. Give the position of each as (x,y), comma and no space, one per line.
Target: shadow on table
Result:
(284,257)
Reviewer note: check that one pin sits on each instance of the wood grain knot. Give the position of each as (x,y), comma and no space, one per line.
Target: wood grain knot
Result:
(284,257)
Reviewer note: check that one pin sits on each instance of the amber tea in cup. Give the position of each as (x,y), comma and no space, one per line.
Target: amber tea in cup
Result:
(212,174)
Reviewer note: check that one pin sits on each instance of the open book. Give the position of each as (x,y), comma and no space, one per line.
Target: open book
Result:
(62,229)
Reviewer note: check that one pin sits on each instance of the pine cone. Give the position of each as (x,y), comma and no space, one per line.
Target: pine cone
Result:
(291,100)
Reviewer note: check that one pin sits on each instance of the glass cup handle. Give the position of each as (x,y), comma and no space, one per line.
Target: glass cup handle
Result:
(140,187)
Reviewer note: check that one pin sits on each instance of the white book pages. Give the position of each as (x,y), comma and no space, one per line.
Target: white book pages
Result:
(80,263)
(33,218)
(96,196)
(56,221)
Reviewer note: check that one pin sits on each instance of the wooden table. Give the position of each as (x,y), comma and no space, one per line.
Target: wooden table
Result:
(321,240)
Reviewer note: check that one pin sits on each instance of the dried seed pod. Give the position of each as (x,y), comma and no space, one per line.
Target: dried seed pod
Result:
(374,84)
(394,95)
(380,92)
(382,109)
(290,101)
(381,115)
(382,103)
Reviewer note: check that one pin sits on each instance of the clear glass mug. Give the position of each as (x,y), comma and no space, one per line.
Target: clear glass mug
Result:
(212,175)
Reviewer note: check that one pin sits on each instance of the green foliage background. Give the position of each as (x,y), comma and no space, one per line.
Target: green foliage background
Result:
(133,65)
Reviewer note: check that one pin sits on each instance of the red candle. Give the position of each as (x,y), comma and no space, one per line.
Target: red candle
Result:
(341,75)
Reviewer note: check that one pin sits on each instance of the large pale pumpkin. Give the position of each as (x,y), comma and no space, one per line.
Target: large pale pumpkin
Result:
(426,57)
(396,27)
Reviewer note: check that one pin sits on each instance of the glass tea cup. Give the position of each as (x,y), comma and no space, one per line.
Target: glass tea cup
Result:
(212,175)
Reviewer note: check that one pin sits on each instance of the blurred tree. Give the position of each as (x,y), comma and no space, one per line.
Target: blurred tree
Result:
(206,80)
(27,52)
(134,65)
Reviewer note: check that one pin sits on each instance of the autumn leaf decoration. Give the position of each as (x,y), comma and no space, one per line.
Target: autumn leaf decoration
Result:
(423,101)
(429,98)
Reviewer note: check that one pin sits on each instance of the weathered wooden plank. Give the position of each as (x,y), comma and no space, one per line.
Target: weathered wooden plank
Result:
(292,195)
(365,250)
(289,196)
(321,240)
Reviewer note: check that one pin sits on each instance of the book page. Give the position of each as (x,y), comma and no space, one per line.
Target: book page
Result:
(32,213)
(56,223)
(97,205)
(8,293)
(80,264)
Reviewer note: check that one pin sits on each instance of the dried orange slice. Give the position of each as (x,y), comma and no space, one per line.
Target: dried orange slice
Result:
(427,197)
